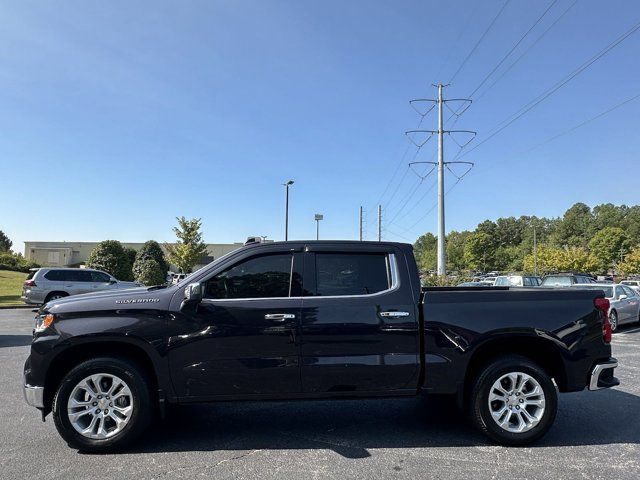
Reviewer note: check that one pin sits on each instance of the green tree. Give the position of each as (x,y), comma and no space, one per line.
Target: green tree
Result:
(479,251)
(553,259)
(111,257)
(631,263)
(609,246)
(575,228)
(5,242)
(426,252)
(150,250)
(189,249)
(131,254)
(149,272)
(455,249)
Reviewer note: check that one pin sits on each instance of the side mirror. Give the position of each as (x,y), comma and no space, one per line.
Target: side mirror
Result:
(113,281)
(622,297)
(192,295)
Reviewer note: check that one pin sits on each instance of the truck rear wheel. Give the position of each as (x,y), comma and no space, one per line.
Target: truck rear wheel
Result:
(514,401)
(102,405)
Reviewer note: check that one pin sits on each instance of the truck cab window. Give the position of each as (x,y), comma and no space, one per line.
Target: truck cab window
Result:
(267,276)
(351,274)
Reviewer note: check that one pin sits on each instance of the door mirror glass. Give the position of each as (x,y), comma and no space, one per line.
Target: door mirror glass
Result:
(193,292)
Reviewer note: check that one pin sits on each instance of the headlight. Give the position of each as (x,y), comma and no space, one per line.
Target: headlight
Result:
(44,321)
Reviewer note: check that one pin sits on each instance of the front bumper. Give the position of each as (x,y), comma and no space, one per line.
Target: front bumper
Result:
(34,395)
(602,375)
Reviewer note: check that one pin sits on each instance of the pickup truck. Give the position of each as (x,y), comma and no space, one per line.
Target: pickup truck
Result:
(313,319)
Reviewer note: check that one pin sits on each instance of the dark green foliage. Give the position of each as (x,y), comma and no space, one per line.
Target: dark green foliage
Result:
(16,262)
(151,250)
(607,232)
(111,257)
(149,272)
(5,242)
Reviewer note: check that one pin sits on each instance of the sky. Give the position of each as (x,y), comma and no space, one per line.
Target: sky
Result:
(116,117)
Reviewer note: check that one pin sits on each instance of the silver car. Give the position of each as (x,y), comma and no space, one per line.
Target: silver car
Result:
(45,284)
(634,284)
(625,302)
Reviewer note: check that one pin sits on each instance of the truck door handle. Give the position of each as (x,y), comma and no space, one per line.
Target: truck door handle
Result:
(279,316)
(394,314)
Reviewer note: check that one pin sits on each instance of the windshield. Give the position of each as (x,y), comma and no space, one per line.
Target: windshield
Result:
(502,282)
(556,281)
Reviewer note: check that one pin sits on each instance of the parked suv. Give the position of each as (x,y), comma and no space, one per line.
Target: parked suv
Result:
(518,281)
(567,280)
(45,284)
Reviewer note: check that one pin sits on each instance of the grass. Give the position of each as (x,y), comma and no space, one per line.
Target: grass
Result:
(11,287)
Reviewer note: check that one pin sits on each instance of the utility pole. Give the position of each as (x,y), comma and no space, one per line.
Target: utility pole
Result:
(535,252)
(379,223)
(442,262)
(440,164)
(360,224)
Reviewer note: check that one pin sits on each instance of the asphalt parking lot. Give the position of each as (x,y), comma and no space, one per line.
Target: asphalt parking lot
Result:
(596,435)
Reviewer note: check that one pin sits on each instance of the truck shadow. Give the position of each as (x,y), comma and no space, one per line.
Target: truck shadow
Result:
(15,340)
(352,427)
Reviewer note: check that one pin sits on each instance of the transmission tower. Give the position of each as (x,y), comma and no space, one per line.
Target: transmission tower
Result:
(440,164)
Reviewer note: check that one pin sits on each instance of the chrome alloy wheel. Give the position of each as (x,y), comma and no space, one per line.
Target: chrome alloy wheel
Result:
(516,402)
(100,406)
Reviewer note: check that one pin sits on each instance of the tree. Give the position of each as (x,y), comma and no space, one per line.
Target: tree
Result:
(149,272)
(609,246)
(631,263)
(111,257)
(479,251)
(189,249)
(455,249)
(575,228)
(153,251)
(426,252)
(554,259)
(131,254)
(5,242)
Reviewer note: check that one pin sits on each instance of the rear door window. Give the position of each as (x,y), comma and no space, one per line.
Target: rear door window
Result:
(55,275)
(340,274)
(100,277)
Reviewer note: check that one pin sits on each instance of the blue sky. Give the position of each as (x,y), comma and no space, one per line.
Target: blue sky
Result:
(118,116)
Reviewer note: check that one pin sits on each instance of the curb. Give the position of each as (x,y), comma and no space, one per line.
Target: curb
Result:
(12,307)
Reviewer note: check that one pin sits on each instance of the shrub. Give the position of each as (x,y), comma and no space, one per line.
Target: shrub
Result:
(16,262)
(150,250)
(111,257)
(149,272)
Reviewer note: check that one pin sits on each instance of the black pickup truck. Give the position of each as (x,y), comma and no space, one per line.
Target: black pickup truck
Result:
(299,320)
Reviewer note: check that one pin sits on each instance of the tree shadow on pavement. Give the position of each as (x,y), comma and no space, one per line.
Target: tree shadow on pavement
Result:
(351,427)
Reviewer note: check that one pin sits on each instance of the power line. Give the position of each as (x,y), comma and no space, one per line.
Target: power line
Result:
(513,48)
(546,94)
(477,44)
(568,131)
(527,50)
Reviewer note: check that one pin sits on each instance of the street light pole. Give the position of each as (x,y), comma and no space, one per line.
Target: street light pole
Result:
(286,209)
(318,217)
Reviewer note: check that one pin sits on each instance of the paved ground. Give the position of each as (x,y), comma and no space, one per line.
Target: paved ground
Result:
(596,435)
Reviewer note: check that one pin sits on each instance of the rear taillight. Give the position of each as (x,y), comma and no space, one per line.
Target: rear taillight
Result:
(29,283)
(602,304)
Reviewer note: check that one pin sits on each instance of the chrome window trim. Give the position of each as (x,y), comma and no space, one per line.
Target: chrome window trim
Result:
(395,285)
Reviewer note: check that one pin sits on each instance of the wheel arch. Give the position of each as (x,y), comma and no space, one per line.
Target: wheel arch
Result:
(53,292)
(86,349)
(543,352)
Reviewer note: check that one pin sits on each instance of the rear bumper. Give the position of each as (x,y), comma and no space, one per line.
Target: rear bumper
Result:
(602,375)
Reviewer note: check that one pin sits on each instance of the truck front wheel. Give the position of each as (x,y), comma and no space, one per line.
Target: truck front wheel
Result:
(513,401)
(102,405)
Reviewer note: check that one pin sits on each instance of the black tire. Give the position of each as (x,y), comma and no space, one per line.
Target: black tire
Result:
(613,319)
(479,401)
(143,408)
(55,296)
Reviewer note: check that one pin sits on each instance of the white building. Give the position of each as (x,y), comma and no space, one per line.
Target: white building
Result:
(75,254)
